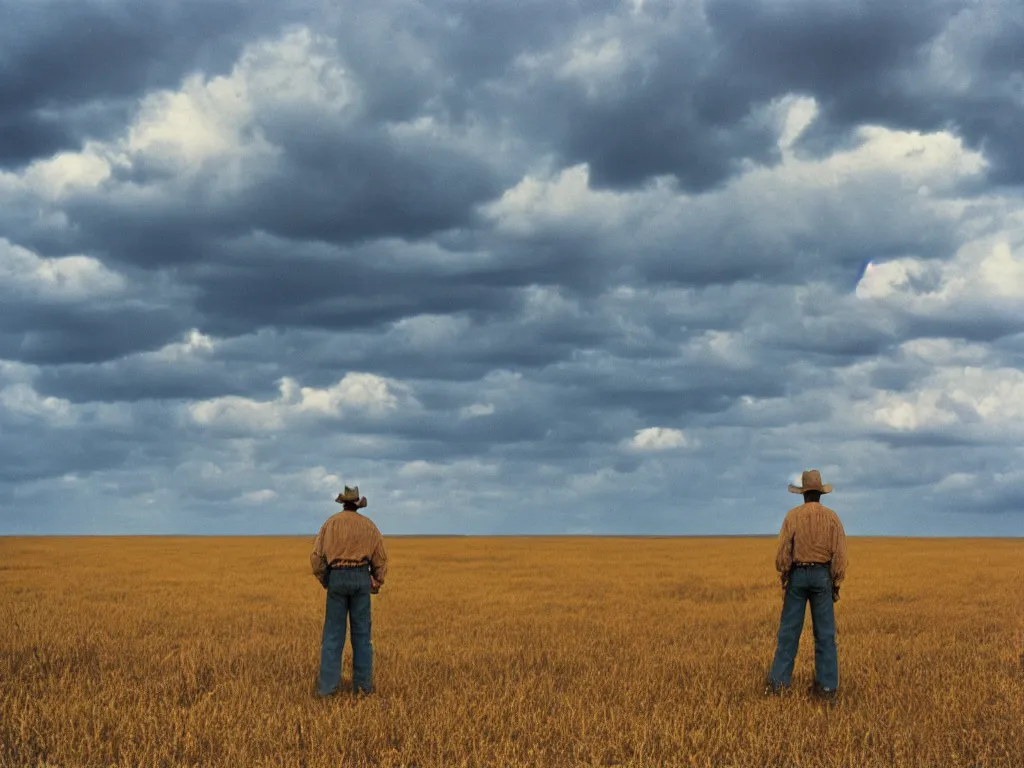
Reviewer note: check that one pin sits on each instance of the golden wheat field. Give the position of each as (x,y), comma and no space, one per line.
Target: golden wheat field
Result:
(504,652)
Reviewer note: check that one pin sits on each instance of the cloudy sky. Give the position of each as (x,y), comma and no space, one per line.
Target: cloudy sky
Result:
(511,267)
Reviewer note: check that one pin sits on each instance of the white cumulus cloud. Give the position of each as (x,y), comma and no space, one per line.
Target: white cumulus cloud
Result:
(658,439)
(67,278)
(986,274)
(357,391)
(985,403)
(476,410)
(261,496)
(22,400)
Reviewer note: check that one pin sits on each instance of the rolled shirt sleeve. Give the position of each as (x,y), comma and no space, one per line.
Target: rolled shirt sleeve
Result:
(784,551)
(838,552)
(379,560)
(317,560)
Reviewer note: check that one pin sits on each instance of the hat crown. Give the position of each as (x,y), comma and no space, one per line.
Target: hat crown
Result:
(810,480)
(349,494)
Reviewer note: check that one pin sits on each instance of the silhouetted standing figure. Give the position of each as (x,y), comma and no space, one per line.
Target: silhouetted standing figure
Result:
(811,561)
(350,561)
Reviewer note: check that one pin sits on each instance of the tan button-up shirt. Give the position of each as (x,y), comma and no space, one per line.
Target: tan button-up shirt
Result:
(812,533)
(347,539)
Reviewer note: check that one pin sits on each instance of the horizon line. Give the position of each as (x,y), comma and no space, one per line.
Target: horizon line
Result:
(490,536)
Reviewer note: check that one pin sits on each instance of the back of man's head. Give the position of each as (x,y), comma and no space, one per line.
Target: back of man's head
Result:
(354,506)
(810,496)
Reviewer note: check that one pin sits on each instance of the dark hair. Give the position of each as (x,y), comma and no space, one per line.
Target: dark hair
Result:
(352,506)
(812,496)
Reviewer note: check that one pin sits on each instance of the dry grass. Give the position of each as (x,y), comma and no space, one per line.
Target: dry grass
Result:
(159,651)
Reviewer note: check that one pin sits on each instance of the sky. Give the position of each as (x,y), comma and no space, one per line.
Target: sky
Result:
(511,267)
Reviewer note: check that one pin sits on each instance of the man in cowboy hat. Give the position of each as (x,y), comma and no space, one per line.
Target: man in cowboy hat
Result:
(350,561)
(811,561)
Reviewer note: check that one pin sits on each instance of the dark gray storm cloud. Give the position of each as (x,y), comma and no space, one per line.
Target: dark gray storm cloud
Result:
(851,51)
(472,256)
(70,335)
(71,70)
(924,66)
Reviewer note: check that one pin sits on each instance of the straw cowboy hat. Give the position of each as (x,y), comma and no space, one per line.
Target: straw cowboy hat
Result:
(349,494)
(811,481)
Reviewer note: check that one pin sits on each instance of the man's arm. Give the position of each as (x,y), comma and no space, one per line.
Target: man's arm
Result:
(838,543)
(379,561)
(784,549)
(317,559)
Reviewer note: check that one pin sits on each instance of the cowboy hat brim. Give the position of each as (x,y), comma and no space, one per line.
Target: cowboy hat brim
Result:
(825,488)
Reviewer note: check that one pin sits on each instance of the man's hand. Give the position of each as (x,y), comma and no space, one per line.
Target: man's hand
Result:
(374,585)
(835,594)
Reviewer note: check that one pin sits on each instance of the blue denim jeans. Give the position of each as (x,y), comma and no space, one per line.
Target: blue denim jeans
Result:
(814,585)
(348,598)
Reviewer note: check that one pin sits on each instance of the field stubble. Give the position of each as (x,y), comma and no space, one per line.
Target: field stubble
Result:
(495,652)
